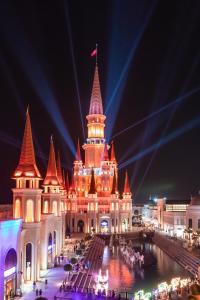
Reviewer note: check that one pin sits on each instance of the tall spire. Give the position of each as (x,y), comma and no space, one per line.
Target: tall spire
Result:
(78,152)
(67,181)
(126,184)
(72,185)
(59,169)
(63,177)
(112,156)
(92,189)
(51,175)
(114,184)
(27,164)
(96,106)
(105,153)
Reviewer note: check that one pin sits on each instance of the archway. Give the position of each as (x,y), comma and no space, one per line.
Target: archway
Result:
(124,225)
(80,226)
(10,274)
(28,262)
(104,226)
(50,251)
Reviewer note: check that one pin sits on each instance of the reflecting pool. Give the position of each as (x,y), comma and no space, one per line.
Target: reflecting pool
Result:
(122,278)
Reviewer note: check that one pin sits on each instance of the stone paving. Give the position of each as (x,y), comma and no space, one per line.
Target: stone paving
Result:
(54,276)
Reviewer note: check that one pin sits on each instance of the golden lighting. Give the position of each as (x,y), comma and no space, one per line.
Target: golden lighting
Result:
(17,209)
(29,211)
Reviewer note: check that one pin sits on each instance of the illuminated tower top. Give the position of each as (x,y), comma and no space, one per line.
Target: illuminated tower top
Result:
(96,106)
(94,146)
(27,165)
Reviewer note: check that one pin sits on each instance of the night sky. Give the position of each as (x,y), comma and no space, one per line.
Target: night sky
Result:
(148,57)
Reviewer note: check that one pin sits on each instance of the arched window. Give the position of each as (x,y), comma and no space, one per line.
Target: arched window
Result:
(54,209)
(28,261)
(17,209)
(46,207)
(29,211)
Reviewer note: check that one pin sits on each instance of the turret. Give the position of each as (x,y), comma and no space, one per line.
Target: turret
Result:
(51,196)
(27,194)
(92,189)
(94,146)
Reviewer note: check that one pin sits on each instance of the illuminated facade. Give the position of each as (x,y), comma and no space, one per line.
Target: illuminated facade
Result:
(44,209)
(93,202)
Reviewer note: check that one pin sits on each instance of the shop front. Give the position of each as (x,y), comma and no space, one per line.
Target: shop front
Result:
(10,275)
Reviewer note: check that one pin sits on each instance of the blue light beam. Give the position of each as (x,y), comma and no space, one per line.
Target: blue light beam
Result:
(175,134)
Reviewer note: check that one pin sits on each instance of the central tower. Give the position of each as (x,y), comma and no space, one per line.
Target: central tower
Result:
(95,143)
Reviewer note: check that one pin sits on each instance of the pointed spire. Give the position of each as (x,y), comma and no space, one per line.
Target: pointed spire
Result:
(92,189)
(72,185)
(63,176)
(112,156)
(59,169)
(78,152)
(27,164)
(105,154)
(126,184)
(114,184)
(96,106)
(67,181)
(51,175)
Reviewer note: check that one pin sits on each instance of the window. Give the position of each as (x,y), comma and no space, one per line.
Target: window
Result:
(46,205)
(17,209)
(112,222)
(190,223)
(54,208)
(92,223)
(198,223)
(29,211)
(72,222)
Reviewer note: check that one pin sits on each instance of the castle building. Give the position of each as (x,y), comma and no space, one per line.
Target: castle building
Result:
(43,210)
(93,203)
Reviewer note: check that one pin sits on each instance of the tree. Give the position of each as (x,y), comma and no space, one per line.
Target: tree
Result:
(73,260)
(67,267)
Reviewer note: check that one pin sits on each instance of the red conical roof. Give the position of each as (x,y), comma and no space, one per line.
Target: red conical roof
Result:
(67,182)
(126,185)
(27,164)
(63,177)
(96,106)
(78,152)
(72,185)
(112,156)
(51,175)
(114,184)
(105,154)
(92,189)
(59,169)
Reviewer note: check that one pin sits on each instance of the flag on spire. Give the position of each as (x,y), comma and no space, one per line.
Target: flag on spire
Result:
(94,52)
